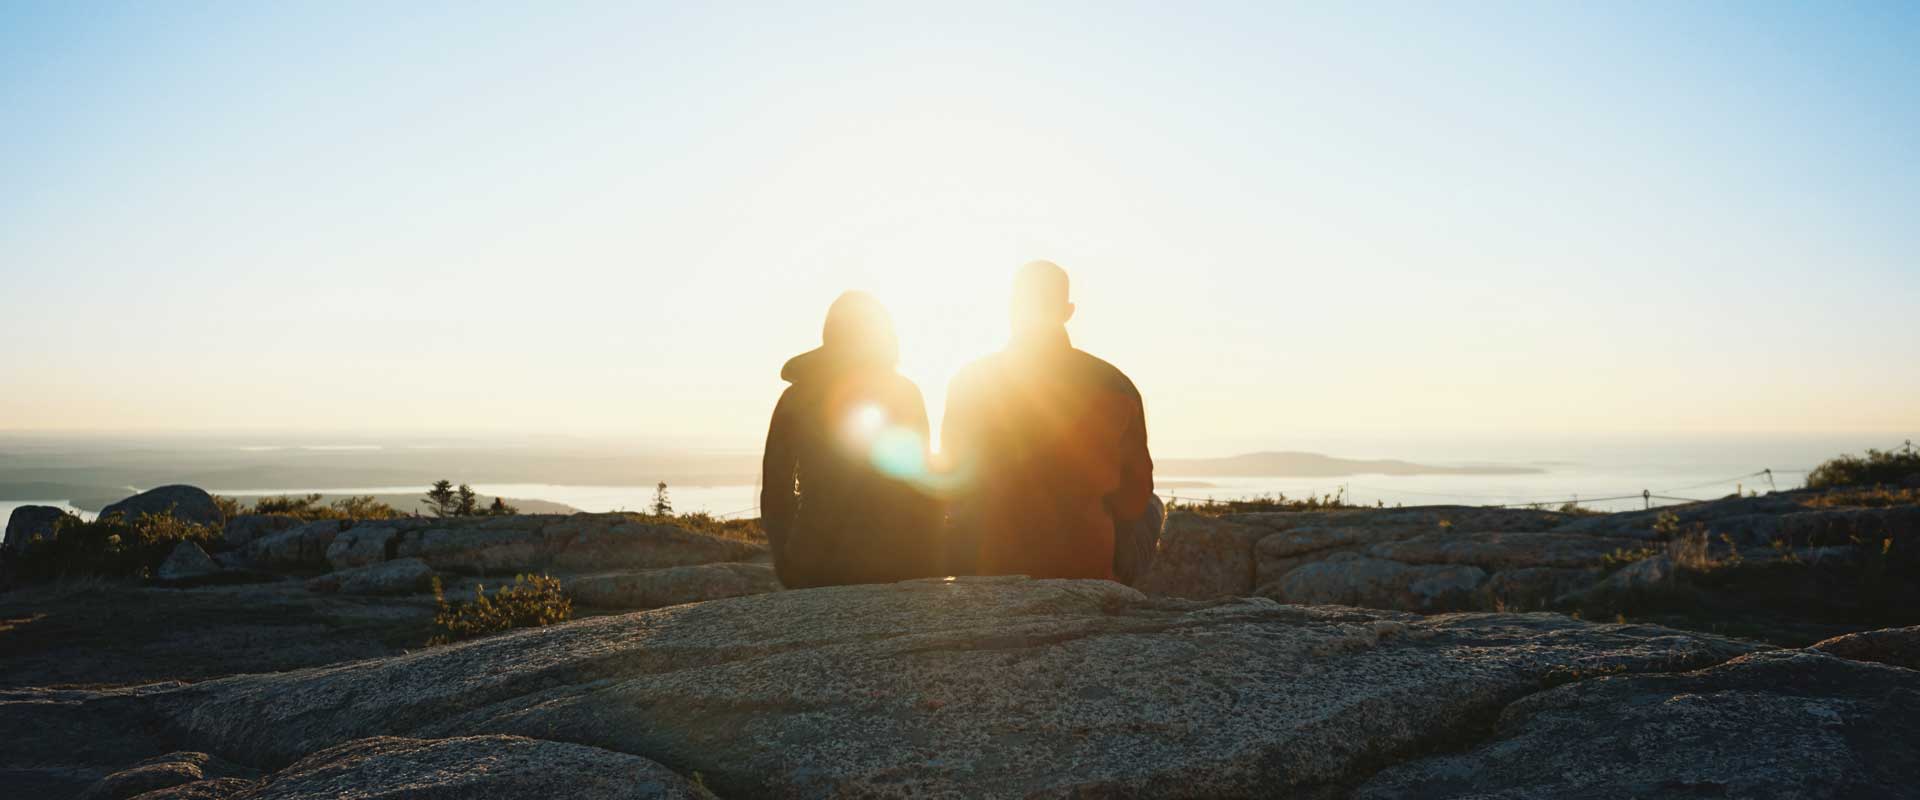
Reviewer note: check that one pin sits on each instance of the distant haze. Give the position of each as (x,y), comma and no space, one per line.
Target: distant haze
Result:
(1285,222)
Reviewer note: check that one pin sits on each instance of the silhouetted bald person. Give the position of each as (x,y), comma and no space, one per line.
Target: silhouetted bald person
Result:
(1049,445)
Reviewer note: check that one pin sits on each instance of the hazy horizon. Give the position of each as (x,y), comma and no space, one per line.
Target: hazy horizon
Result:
(1293,226)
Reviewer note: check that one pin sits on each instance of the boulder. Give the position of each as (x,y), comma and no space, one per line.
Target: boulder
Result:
(1497,550)
(164,772)
(186,562)
(244,528)
(968,687)
(299,548)
(360,545)
(28,523)
(1785,724)
(1353,580)
(1646,575)
(1534,588)
(1897,646)
(473,766)
(1203,557)
(671,586)
(399,576)
(185,503)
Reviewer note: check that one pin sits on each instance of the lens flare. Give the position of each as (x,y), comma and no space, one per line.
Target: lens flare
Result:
(868,420)
(901,454)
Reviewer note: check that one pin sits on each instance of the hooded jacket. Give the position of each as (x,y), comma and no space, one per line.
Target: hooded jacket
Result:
(840,492)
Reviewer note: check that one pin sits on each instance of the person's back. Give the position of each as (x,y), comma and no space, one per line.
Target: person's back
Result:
(1049,446)
(833,512)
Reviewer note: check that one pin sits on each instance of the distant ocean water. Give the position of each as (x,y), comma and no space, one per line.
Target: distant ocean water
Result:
(1603,474)
(1554,485)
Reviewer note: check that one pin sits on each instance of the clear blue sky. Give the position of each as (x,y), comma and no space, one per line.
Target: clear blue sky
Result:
(1280,218)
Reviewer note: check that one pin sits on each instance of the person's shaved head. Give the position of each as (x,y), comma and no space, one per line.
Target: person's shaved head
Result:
(1040,298)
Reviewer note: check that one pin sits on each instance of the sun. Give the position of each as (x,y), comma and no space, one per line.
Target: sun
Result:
(945,321)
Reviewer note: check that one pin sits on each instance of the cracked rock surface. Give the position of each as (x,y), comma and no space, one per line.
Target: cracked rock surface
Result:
(982,686)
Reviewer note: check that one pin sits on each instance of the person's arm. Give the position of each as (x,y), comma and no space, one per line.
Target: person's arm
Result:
(776,475)
(1136,464)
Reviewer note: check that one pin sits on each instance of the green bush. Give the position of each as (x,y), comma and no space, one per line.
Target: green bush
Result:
(1876,467)
(530,601)
(310,508)
(112,547)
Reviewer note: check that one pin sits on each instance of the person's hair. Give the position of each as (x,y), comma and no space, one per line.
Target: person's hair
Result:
(859,329)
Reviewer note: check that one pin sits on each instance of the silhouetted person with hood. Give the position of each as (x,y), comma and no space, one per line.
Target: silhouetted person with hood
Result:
(841,495)
(1048,447)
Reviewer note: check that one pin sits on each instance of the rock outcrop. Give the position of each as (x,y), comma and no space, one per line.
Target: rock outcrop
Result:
(978,686)
(671,586)
(186,503)
(399,576)
(1350,579)
(28,523)
(470,767)
(577,543)
(166,772)
(186,562)
(1897,646)
(244,528)
(301,548)
(1012,687)
(1792,724)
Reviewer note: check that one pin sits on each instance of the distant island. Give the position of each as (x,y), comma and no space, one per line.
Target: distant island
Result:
(1315,465)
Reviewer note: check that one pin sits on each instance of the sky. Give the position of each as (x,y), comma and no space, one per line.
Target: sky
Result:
(1283,221)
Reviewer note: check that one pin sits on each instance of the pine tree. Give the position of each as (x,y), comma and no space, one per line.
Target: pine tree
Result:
(469,504)
(662,506)
(440,499)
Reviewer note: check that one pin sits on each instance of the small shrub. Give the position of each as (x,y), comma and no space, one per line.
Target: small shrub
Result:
(229,507)
(1691,550)
(531,601)
(1666,526)
(1622,556)
(310,508)
(745,530)
(1867,497)
(1876,467)
(112,547)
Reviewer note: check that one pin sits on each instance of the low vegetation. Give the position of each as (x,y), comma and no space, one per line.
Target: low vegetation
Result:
(111,547)
(1864,497)
(1270,502)
(310,508)
(531,601)
(1876,467)
(745,530)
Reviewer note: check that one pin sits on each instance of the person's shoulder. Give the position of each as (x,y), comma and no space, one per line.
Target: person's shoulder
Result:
(975,371)
(1105,373)
(903,386)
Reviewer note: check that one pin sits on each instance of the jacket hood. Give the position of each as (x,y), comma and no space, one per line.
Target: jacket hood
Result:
(822,362)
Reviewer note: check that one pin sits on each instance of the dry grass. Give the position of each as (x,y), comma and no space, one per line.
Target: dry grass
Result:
(1868,497)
